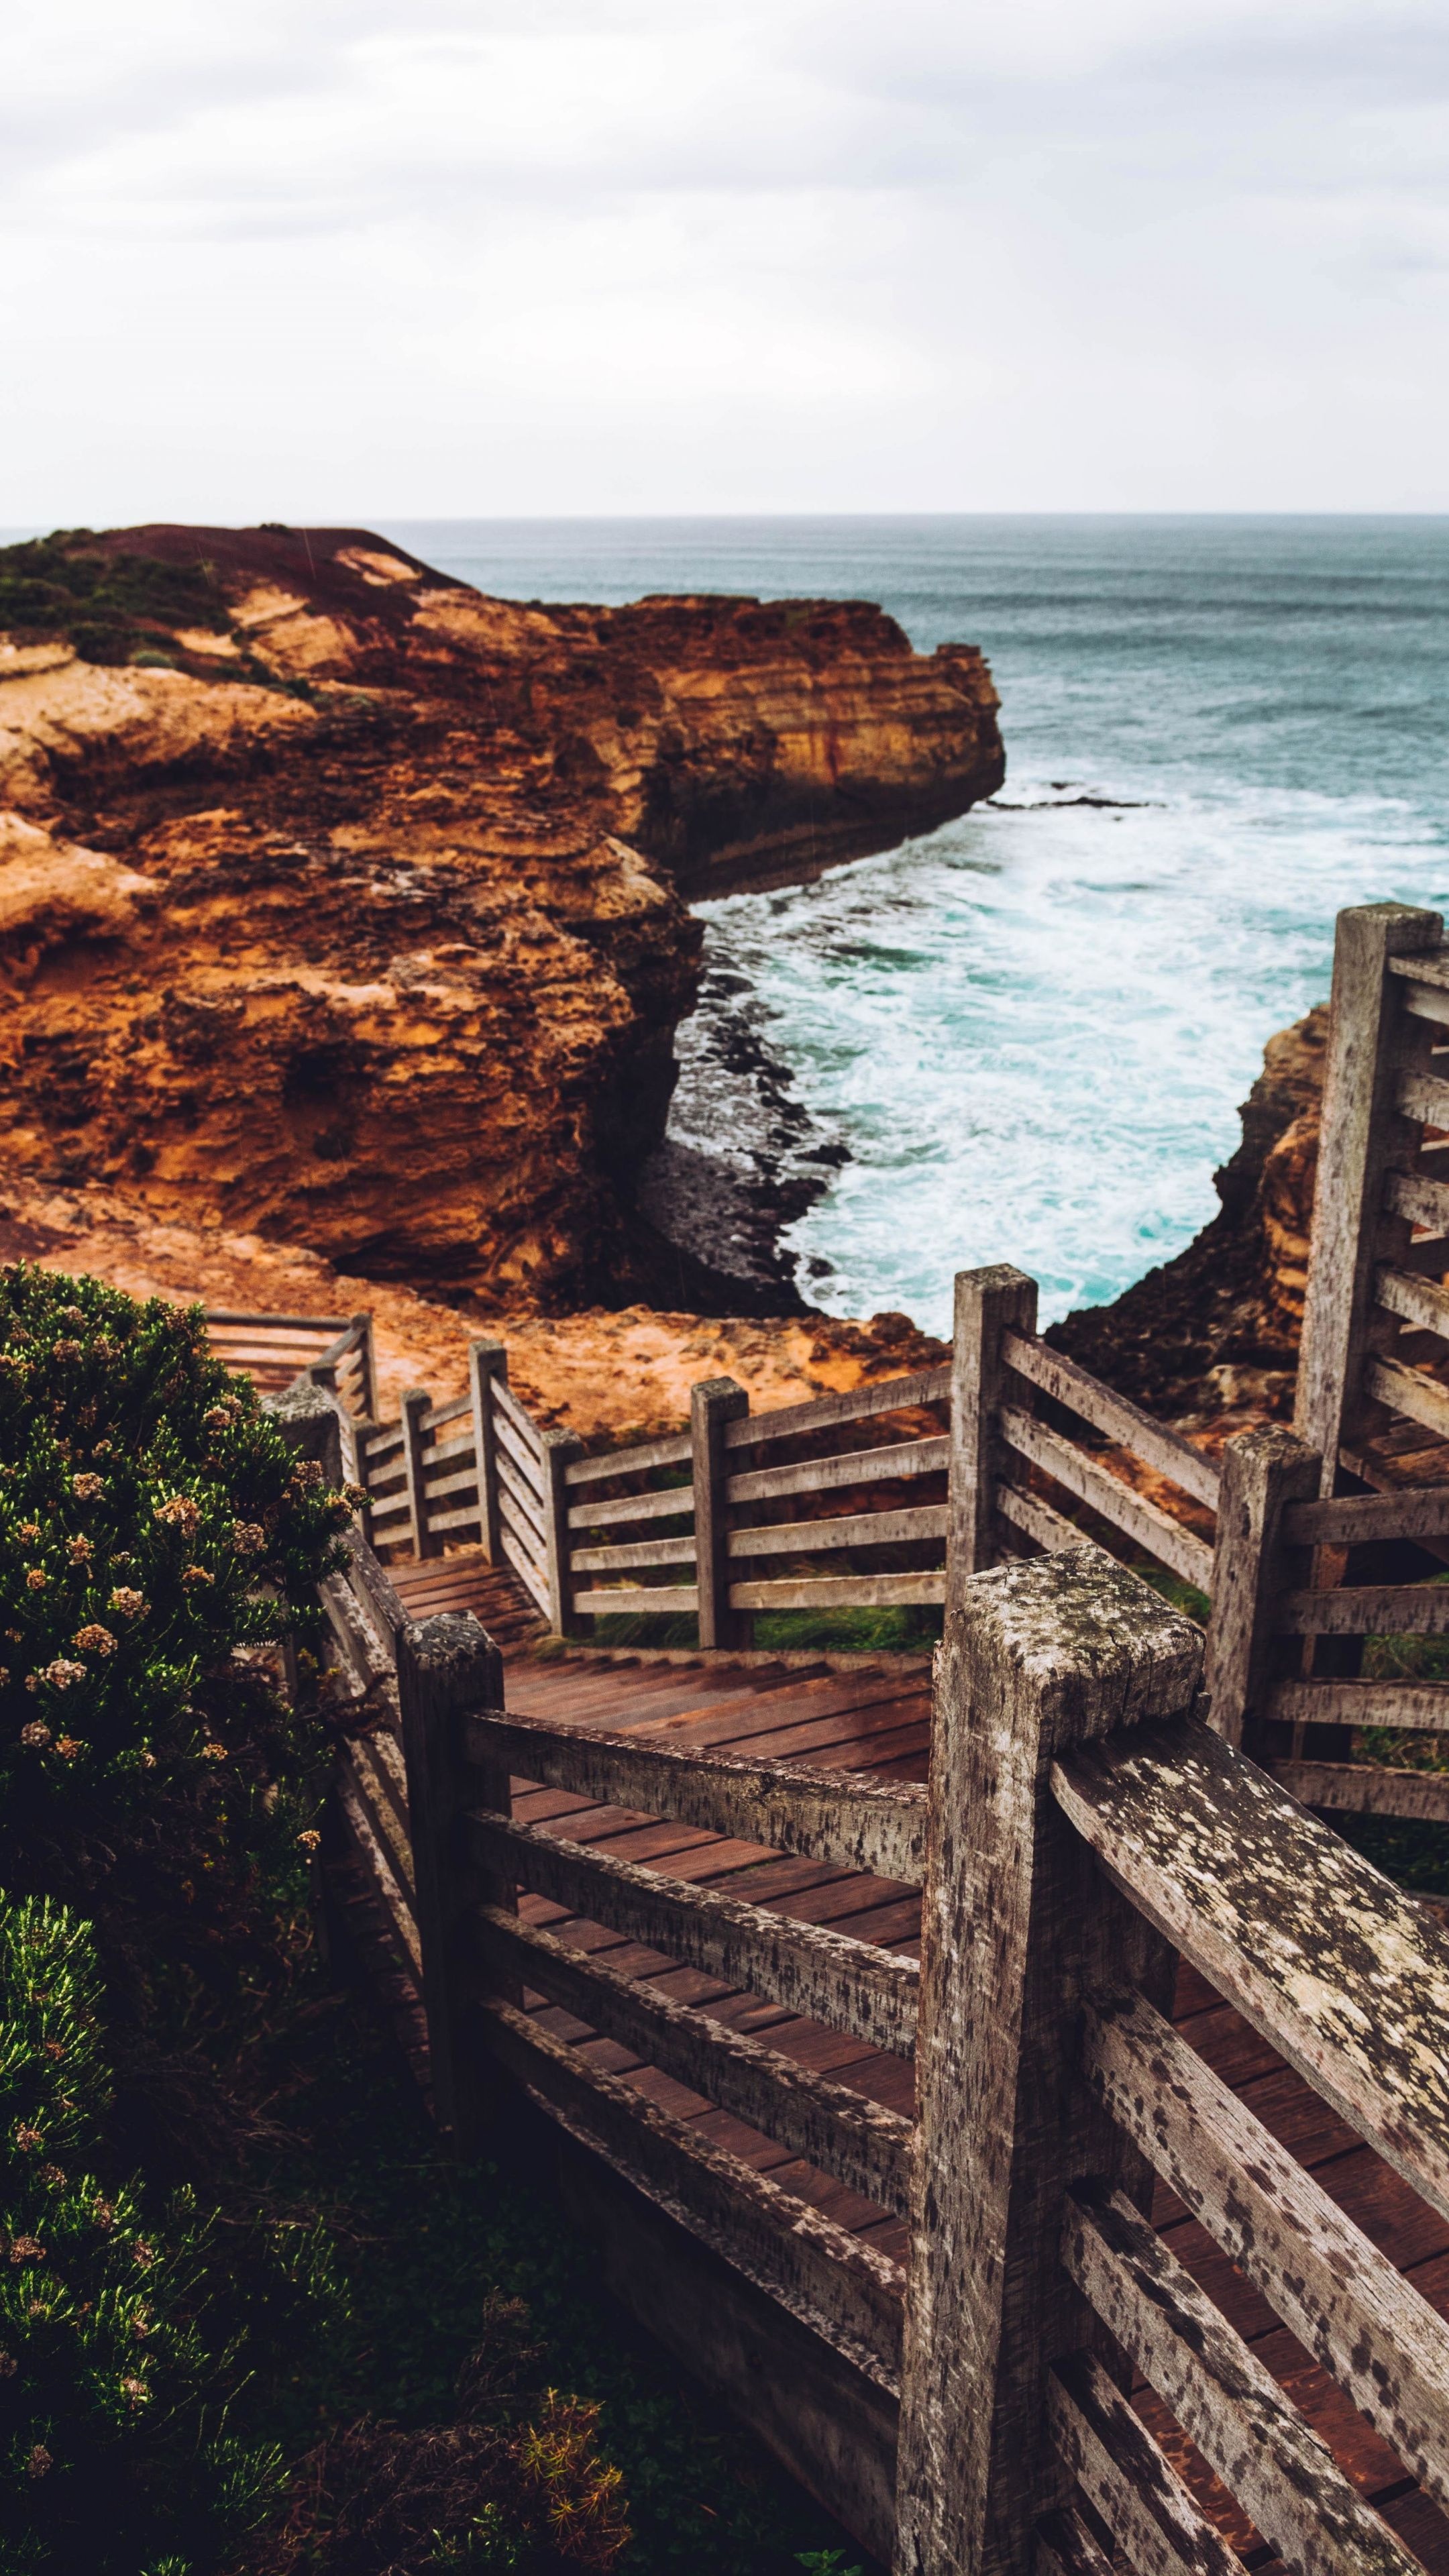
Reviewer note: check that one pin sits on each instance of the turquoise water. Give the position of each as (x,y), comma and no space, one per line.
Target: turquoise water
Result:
(1030,1030)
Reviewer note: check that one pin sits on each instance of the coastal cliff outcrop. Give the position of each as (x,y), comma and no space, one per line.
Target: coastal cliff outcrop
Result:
(1210,1340)
(344,906)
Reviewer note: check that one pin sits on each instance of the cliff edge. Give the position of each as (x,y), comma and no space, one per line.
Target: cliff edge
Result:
(344,906)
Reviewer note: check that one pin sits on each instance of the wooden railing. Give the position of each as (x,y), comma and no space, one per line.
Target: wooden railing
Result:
(275,1350)
(956,2410)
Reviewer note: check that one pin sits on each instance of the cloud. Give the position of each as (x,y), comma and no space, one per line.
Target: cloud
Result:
(477,256)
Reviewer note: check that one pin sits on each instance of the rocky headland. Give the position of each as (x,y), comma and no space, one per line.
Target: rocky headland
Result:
(342,906)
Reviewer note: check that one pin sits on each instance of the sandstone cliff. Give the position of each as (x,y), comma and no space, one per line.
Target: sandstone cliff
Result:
(1210,1340)
(342,905)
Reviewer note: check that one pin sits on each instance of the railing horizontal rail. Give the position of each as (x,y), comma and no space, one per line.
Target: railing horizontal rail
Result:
(1128,2478)
(506,1403)
(1107,1411)
(1424,1097)
(436,1487)
(1139,1518)
(1423,1202)
(1037,1520)
(440,1414)
(823,1815)
(1415,1301)
(527,1572)
(1330,1703)
(1410,1391)
(1340,1970)
(663,1600)
(632,1552)
(676,1499)
(443,1452)
(842,2288)
(840,1591)
(857,1467)
(842,2133)
(670,1452)
(1351,1520)
(1367,1789)
(851,1529)
(334,1324)
(460,1519)
(527,1461)
(1246,2427)
(889,1395)
(521,1497)
(845,1984)
(1366,1610)
(1329,2283)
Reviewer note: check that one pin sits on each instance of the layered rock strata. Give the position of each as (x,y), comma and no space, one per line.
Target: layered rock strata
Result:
(355,919)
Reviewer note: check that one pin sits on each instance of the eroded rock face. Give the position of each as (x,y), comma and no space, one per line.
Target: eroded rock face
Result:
(361,925)
(1210,1340)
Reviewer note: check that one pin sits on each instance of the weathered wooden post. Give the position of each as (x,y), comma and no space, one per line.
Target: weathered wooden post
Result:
(445,1666)
(1018,1927)
(366,1365)
(988,1304)
(1363,1137)
(713,1403)
(559,1447)
(487,1363)
(1263,1471)
(415,1404)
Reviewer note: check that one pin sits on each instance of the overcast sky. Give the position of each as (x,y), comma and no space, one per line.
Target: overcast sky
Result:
(350,259)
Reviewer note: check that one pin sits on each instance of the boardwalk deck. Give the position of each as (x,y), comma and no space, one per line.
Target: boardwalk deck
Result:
(879,1722)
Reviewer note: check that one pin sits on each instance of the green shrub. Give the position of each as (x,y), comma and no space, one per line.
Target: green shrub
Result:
(105,605)
(120,2354)
(158,1535)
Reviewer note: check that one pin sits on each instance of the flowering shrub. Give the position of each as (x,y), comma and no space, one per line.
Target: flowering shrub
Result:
(157,1535)
(117,2360)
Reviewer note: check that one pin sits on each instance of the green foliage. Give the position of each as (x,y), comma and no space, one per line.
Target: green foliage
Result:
(120,2352)
(157,1536)
(107,606)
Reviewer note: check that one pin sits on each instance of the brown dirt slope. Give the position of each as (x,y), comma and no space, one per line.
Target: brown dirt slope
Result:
(352,918)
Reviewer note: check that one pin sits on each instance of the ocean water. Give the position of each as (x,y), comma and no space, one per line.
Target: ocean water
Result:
(1024,1037)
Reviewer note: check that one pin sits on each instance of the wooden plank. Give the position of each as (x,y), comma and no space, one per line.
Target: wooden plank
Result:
(799,1810)
(452,1411)
(1367,1610)
(1422,1201)
(859,1403)
(1416,1301)
(1143,1521)
(524,1536)
(560,1451)
(1127,2478)
(380,1870)
(837,1591)
(673,1451)
(438,1488)
(415,1404)
(469,1519)
(633,1507)
(372,1789)
(660,1601)
(525,1458)
(1356,1520)
(519,1421)
(1367,1789)
(841,2132)
(1429,967)
(1349,2307)
(1409,1391)
(631,1552)
(1362,1137)
(527,1507)
(850,1529)
(1037,1654)
(1267,1473)
(1423,1097)
(384,1442)
(1245,2426)
(1107,1411)
(443,1452)
(843,1983)
(990,1307)
(1345,1975)
(1037,1520)
(1409,1704)
(849,2294)
(487,1363)
(523,1568)
(857,1467)
(332,1325)
(1065,2547)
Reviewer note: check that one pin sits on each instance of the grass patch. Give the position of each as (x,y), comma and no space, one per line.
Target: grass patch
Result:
(109,607)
